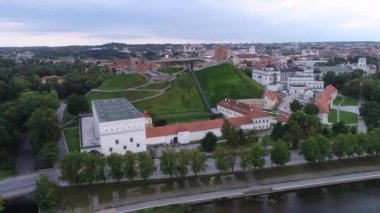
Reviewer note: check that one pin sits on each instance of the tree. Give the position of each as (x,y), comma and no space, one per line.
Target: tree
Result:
(2,203)
(47,156)
(339,128)
(278,131)
(46,193)
(168,162)
(280,154)
(292,133)
(116,164)
(340,146)
(77,104)
(198,162)
(311,109)
(370,111)
(208,142)
(145,165)
(295,105)
(257,156)
(324,146)
(90,170)
(100,169)
(329,78)
(43,128)
(222,159)
(71,168)
(30,101)
(230,134)
(310,149)
(183,158)
(130,167)
(245,158)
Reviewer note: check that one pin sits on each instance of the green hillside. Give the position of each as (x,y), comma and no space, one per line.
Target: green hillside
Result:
(124,81)
(226,81)
(179,103)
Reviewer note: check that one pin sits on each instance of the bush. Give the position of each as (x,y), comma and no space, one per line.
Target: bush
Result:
(208,142)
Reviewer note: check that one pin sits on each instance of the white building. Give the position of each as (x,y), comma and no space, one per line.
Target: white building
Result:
(116,127)
(266,76)
(233,108)
(307,53)
(324,102)
(240,58)
(362,64)
(188,48)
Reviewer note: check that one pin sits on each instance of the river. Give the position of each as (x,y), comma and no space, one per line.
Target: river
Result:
(346,198)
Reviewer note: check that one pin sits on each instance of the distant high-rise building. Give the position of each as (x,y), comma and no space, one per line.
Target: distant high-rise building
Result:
(221,53)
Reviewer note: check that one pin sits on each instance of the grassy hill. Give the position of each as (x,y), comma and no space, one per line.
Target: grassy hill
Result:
(226,81)
(123,81)
(179,103)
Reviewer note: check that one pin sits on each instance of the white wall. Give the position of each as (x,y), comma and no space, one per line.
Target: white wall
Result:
(227,112)
(323,117)
(134,141)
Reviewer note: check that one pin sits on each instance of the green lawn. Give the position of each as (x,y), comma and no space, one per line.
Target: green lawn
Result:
(130,95)
(346,101)
(226,81)
(123,81)
(347,117)
(337,100)
(350,102)
(170,69)
(72,139)
(161,85)
(178,103)
(332,116)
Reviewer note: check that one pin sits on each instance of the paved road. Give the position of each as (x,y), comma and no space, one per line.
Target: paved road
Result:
(234,193)
(20,185)
(25,160)
(62,145)
(25,184)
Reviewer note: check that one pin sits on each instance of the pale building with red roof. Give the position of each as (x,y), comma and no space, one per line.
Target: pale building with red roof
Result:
(270,99)
(233,108)
(324,102)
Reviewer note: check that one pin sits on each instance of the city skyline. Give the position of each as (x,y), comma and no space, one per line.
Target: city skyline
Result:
(60,23)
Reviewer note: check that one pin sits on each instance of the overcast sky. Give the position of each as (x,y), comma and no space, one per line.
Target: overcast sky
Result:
(66,22)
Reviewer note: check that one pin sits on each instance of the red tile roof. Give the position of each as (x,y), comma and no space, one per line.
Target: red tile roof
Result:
(283,118)
(324,98)
(194,126)
(146,114)
(242,108)
(271,95)
(246,56)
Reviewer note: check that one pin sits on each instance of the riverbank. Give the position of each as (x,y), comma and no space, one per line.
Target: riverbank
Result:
(116,197)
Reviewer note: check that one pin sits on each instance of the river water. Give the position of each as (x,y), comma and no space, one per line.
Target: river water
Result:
(346,198)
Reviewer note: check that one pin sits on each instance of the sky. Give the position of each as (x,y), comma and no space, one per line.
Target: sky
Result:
(91,22)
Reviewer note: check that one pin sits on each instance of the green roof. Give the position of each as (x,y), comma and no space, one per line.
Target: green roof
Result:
(115,110)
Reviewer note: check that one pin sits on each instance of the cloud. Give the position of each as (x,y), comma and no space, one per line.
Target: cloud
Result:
(46,22)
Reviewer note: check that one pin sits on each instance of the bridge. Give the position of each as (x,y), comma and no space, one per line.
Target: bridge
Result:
(25,184)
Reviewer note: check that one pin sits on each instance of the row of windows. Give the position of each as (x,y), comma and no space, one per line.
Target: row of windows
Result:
(259,121)
(117,129)
(117,140)
(124,147)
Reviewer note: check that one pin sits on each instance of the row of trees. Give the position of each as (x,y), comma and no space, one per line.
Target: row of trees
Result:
(319,148)
(78,168)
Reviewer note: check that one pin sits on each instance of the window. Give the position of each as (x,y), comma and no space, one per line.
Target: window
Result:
(130,139)
(111,149)
(138,145)
(116,141)
(125,147)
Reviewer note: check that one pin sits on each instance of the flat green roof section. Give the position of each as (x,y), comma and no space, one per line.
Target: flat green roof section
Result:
(115,110)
